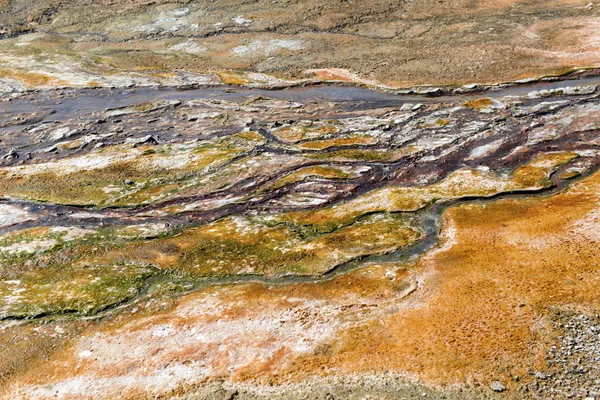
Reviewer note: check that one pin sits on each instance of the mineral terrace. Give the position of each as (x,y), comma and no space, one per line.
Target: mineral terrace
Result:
(193,205)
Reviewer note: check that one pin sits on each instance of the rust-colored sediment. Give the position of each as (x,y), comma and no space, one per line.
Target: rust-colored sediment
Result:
(480,311)
(487,292)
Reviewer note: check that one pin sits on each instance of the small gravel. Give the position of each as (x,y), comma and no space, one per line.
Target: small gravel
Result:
(573,363)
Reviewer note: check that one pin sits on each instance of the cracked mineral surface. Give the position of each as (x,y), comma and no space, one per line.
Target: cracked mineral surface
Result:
(299,200)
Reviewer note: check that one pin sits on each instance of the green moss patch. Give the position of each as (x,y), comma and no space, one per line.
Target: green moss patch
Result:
(242,246)
(80,291)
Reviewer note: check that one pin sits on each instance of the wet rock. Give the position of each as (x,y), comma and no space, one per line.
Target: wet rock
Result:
(50,149)
(10,156)
(61,133)
(566,91)
(146,140)
(432,92)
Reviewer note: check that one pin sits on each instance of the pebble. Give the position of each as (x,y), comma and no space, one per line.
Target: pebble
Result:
(497,386)
(148,139)
(575,370)
(540,375)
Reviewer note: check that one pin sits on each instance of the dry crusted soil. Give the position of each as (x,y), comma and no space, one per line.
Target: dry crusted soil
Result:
(400,42)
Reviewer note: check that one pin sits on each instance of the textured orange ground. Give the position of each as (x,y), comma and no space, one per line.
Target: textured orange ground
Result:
(480,312)
(486,293)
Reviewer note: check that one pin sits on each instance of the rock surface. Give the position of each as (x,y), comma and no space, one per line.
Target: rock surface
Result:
(188,212)
(123,42)
(264,240)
